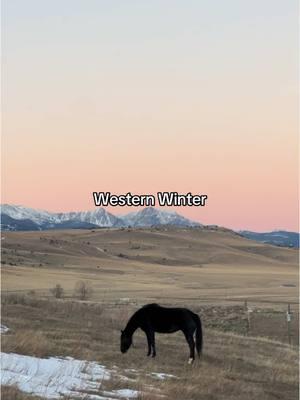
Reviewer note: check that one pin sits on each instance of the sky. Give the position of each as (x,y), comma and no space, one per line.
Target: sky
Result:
(135,96)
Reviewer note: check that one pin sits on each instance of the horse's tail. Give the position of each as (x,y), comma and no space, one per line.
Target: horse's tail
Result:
(199,336)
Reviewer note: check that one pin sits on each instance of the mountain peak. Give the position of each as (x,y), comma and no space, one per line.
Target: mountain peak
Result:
(150,216)
(146,217)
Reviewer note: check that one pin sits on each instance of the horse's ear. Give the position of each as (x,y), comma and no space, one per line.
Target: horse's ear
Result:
(122,331)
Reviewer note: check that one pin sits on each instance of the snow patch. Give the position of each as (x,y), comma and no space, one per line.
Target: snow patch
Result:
(162,376)
(128,393)
(124,393)
(3,329)
(54,377)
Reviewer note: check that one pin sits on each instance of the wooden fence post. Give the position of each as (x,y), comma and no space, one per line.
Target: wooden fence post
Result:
(288,320)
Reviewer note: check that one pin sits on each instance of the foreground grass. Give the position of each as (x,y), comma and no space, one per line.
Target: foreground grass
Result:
(13,393)
(232,366)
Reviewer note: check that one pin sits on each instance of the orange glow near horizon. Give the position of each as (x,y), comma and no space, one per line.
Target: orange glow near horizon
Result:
(188,108)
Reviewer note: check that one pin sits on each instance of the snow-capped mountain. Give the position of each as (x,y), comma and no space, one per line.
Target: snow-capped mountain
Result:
(14,217)
(39,217)
(11,224)
(152,216)
(99,217)
(24,218)
(20,218)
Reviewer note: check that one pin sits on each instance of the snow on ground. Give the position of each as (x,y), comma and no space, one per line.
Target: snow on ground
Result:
(162,376)
(157,375)
(54,378)
(124,393)
(3,329)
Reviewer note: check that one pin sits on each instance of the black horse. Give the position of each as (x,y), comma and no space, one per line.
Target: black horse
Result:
(153,318)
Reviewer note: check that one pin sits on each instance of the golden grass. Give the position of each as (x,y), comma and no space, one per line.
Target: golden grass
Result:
(232,367)
(167,263)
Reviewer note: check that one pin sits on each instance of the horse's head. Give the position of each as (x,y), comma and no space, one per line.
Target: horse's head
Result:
(126,341)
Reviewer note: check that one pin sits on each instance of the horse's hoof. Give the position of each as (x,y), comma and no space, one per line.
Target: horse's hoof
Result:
(191,360)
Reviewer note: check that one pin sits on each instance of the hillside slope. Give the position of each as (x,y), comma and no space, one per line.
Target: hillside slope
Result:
(152,263)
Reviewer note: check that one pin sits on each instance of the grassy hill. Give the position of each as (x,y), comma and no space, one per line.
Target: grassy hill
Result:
(150,263)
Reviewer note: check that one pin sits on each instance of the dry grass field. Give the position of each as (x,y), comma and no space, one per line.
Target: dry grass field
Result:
(159,263)
(210,271)
(233,366)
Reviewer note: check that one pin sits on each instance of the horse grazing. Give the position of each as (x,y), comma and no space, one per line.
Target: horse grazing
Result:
(153,318)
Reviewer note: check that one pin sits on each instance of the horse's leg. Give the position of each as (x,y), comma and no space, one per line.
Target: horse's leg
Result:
(189,338)
(149,342)
(152,340)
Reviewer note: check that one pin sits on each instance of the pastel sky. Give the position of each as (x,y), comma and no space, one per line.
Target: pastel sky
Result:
(143,96)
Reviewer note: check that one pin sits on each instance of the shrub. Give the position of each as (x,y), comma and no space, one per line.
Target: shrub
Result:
(83,290)
(57,291)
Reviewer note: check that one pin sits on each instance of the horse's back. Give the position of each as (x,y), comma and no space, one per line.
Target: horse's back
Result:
(167,319)
(156,308)
(151,305)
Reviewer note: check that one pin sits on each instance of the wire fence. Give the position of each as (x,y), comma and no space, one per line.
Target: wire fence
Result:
(276,321)
(280,325)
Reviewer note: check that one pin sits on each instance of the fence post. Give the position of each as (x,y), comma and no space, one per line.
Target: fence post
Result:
(288,320)
(248,310)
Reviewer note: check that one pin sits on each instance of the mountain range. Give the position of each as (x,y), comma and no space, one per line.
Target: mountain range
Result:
(277,238)
(23,218)
(19,218)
